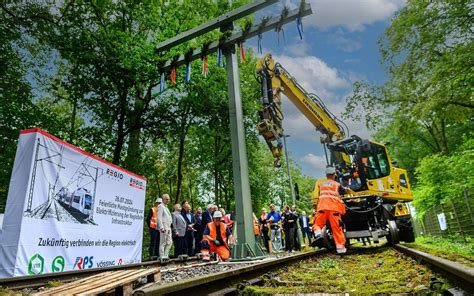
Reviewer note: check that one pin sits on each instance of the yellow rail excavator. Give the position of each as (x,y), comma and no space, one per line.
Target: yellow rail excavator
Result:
(376,190)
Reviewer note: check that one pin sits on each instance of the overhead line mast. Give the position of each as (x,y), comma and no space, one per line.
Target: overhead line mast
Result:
(246,247)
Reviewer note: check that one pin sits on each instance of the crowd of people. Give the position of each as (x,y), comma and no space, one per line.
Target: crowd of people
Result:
(190,232)
(278,230)
(211,231)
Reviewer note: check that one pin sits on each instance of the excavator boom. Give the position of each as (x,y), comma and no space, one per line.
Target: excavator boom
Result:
(376,189)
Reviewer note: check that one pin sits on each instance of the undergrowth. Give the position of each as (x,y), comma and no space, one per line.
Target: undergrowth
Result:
(455,248)
(365,270)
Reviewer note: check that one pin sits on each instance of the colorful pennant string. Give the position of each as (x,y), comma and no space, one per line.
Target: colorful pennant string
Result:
(162,82)
(204,66)
(299,26)
(173,75)
(242,52)
(219,57)
(188,72)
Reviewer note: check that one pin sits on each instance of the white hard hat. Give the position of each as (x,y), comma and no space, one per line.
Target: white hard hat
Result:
(330,170)
(217,214)
(158,200)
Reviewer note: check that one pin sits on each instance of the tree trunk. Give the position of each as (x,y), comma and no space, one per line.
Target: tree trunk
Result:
(120,127)
(73,120)
(180,168)
(216,172)
(133,161)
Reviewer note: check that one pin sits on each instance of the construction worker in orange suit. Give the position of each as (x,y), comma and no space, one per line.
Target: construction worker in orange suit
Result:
(215,238)
(330,208)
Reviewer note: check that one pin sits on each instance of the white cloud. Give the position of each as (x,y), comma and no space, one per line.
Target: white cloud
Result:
(344,43)
(351,14)
(316,162)
(299,48)
(330,84)
(313,74)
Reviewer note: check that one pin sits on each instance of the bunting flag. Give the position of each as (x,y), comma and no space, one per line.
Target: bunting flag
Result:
(188,71)
(204,66)
(162,82)
(219,57)
(299,26)
(173,75)
(242,52)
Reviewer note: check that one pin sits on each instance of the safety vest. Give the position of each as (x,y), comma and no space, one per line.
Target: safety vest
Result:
(213,232)
(255,227)
(153,217)
(329,198)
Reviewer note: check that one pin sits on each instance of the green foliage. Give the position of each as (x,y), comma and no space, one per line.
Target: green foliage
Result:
(426,108)
(441,177)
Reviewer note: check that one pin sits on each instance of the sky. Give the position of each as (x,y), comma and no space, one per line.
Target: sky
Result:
(339,47)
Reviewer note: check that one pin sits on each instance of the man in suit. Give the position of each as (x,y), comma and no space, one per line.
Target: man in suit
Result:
(189,236)
(207,216)
(305,226)
(179,231)
(163,218)
(199,227)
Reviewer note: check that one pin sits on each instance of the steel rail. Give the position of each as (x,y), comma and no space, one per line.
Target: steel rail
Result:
(34,281)
(220,276)
(458,270)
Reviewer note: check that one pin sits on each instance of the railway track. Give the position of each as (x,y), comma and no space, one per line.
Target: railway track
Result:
(266,275)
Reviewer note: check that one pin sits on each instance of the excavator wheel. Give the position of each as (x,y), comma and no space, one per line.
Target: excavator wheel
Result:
(392,237)
(406,231)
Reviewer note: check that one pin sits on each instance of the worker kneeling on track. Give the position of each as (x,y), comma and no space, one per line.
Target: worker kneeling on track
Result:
(330,208)
(215,238)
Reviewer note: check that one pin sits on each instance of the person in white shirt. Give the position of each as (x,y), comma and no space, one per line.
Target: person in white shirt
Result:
(164,220)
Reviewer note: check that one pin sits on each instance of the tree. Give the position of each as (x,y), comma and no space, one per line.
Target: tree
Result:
(427,100)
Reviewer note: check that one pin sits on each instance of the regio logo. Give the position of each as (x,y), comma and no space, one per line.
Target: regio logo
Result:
(114,174)
(137,183)
(36,264)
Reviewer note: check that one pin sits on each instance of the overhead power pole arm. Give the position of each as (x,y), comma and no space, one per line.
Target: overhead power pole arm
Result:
(215,23)
(272,24)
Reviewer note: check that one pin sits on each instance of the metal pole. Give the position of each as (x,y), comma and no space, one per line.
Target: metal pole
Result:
(246,246)
(289,172)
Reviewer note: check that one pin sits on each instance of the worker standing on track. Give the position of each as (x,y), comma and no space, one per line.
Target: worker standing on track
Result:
(154,249)
(215,238)
(330,207)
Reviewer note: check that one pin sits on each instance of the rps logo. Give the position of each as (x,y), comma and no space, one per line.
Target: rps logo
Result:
(84,262)
(114,174)
(137,183)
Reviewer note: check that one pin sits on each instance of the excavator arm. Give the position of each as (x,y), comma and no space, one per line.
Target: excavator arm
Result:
(275,81)
(363,166)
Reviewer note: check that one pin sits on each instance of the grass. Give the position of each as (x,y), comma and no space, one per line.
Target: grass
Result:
(453,248)
(365,270)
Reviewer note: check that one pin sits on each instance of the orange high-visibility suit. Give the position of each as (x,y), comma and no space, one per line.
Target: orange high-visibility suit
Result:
(330,207)
(208,245)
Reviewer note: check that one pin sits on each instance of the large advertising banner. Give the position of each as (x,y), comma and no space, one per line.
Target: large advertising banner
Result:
(68,210)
